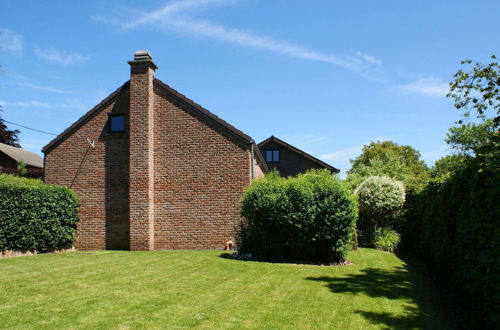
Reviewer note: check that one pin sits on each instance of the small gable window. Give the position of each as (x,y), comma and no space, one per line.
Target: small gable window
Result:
(116,123)
(272,156)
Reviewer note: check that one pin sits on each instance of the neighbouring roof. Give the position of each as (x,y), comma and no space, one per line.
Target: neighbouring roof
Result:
(30,158)
(167,89)
(300,152)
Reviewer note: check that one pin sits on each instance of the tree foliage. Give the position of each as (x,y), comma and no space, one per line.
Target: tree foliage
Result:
(477,90)
(446,166)
(387,158)
(8,136)
(468,139)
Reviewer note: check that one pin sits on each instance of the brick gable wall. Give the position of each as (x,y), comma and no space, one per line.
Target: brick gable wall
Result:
(200,174)
(99,176)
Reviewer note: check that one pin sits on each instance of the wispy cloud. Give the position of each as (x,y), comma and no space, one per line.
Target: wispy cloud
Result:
(68,104)
(63,57)
(428,86)
(44,88)
(344,155)
(175,17)
(306,140)
(10,42)
(430,156)
(30,104)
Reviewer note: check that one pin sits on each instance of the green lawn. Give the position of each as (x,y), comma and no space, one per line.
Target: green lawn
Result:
(169,289)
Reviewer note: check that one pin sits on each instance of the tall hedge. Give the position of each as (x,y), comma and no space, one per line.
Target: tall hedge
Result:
(306,218)
(455,225)
(36,216)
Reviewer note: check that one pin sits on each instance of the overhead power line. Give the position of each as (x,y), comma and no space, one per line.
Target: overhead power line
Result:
(33,129)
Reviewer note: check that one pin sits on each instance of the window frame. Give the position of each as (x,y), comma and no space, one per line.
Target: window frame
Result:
(110,119)
(273,152)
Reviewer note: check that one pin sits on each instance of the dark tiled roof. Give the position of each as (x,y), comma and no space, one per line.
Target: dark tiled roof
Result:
(18,154)
(300,152)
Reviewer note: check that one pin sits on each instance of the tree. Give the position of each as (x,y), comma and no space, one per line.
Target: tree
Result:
(387,158)
(468,139)
(447,166)
(478,90)
(8,136)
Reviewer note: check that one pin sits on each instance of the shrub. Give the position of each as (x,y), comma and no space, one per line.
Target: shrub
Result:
(386,239)
(381,199)
(307,218)
(36,216)
(454,225)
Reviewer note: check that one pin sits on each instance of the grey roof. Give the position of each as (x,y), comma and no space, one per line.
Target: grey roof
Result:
(30,158)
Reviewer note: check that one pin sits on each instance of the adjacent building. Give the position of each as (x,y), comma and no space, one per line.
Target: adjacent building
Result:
(10,157)
(289,160)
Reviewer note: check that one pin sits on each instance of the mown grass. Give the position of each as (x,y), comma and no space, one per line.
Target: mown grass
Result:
(174,289)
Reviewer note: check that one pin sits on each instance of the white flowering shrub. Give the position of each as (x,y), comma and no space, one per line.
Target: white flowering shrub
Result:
(381,199)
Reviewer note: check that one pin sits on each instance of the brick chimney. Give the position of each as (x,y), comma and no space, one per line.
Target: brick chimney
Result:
(141,123)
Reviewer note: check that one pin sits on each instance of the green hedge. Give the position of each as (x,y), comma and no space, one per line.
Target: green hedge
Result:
(307,218)
(455,225)
(36,216)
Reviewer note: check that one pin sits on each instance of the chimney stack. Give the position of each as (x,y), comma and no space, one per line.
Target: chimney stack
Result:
(141,148)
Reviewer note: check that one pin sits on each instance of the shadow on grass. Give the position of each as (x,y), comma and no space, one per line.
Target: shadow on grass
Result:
(376,282)
(227,255)
(439,306)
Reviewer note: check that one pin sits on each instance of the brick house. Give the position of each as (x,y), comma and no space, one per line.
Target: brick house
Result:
(11,156)
(153,169)
(289,160)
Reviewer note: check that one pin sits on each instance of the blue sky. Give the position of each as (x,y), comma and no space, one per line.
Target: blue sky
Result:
(326,76)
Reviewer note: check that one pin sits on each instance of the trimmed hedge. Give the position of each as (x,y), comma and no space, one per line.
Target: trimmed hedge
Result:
(455,226)
(308,218)
(36,216)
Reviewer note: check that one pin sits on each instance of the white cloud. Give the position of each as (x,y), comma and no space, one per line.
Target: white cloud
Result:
(428,86)
(303,141)
(31,104)
(430,156)
(10,42)
(346,154)
(45,88)
(63,57)
(68,104)
(343,155)
(173,18)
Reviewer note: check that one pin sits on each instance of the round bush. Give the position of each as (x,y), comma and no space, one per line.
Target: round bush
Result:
(306,218)
(380,199)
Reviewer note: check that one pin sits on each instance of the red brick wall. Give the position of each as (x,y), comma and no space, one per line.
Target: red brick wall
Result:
(200,174)
(99,176)
(142,131)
